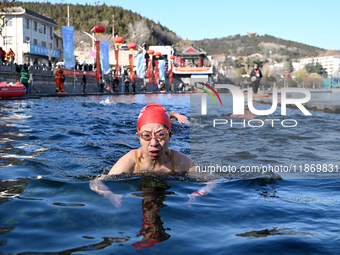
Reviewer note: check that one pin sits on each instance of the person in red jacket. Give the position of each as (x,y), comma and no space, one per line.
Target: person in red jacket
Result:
(57,78)
(10,55)
(62,80)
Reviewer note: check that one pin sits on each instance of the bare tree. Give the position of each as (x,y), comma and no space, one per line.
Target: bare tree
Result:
(139,32)
(4,8)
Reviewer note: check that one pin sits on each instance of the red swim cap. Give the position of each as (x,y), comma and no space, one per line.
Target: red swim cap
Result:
(153,113)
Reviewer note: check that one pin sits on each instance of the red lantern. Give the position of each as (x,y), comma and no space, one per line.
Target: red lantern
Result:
(151,52)
(158,54)
(172,58)
(132,46)
(99,29)
(118,40)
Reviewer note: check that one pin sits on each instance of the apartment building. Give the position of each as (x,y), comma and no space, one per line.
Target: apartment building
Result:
(330,63)
(31,37)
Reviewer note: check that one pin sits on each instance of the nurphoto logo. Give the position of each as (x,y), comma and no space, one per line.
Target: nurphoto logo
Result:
(239,100)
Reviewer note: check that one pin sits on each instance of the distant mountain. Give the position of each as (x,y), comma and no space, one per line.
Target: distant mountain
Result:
(243,45)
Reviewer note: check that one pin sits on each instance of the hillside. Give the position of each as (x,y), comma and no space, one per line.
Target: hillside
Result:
(134,27)
(243,45)
(84,17)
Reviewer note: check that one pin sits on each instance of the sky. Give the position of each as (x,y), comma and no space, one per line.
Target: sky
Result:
(311,22)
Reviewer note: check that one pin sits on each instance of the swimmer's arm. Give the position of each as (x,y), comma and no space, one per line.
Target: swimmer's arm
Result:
(181,118)
(201,192)
(204,190)
(98,186)
(125,165)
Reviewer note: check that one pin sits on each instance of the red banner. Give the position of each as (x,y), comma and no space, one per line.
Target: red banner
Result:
(131,67)
(150,71)
(156,72)
(117,65)
(171,75)
(98,60)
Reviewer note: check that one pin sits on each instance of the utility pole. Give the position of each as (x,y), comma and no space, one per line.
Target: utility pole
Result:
(113,26)
(68,15)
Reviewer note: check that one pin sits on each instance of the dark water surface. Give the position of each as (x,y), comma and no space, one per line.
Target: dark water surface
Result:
(50,149)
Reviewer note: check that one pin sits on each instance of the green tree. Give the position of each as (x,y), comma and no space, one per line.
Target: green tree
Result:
(299,76)
(314,68)
(239,63)
(257,62)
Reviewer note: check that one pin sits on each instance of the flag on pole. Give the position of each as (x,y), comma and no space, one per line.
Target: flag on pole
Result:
(150,71)
(117,65)
(140,66)
(171,75)
(97,60)
(161,67)
(156,72)
(104,57)
(131,67)
(68,43)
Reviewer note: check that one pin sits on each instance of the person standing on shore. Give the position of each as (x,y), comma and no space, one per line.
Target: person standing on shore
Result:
(134,86)
(115,84)
(127,84)
(255,76)
(57,78)
(10,55)
(84,81)
(62,80)
(24,77)
(2,54)
(101,83)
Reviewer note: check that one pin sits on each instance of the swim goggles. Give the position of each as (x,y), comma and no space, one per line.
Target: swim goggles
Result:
(147,136)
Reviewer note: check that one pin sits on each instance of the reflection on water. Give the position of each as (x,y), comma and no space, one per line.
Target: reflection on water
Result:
(154,194)
(273,232)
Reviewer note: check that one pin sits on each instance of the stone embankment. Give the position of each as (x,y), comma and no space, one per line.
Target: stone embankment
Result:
(42,82)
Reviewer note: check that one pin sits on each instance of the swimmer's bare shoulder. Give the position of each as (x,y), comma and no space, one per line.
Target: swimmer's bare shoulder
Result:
(125,164)
(183,163)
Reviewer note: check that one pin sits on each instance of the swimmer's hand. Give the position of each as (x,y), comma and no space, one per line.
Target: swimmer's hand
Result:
(194,195)
(201,192)
(99,187)
(115,199)
(180,118)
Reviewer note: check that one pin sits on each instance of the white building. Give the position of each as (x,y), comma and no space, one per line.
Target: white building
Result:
(166,51)
(30,36)
(330,63)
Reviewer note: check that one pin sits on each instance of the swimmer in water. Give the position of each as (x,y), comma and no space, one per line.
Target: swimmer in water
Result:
(154,133)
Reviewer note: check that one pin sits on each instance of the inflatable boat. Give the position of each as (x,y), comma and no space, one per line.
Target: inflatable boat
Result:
(12,90)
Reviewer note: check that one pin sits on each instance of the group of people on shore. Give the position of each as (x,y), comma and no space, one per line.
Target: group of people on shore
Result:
(6,57)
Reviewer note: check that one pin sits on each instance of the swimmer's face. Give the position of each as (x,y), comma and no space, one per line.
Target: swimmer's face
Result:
(155,148)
